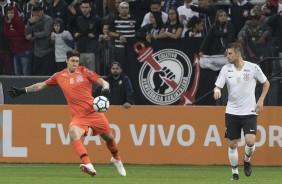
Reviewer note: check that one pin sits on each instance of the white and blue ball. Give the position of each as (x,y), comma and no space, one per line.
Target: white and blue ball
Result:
(101,104)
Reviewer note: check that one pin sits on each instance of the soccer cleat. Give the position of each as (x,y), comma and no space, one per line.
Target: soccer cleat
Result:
(119,166)
(88,169)
(235,177)
(247,168)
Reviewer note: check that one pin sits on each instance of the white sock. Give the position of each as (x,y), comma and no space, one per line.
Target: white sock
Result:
(233,158)
(249,152)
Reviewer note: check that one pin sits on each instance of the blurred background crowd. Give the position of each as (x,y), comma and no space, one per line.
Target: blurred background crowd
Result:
(35,34)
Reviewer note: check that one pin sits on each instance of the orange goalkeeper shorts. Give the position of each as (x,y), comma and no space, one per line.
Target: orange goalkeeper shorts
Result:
(96,121)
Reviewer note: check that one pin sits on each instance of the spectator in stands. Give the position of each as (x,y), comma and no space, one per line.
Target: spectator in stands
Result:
(5,56)
(62,41)
(220,35)
(138,9)
(155,7)
(207,10)
(20,47)
(74,10)
(185,14)
(173,28)
(195,27)
(121,34)
(271,7)
(121,92)
(112,15)
(257,11)
(275,22)
(106,50)
(27,9)
(86,31)
(59,9)
(151,31)
(39,29)
(168,4)
(255,36)
(4,4)
(239,14)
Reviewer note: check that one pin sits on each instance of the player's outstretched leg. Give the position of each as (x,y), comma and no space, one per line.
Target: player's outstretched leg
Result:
(233,158)
(88,169)
(247,164)
(119,166)
(113,148)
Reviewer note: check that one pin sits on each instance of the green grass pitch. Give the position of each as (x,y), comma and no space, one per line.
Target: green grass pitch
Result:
(136,174)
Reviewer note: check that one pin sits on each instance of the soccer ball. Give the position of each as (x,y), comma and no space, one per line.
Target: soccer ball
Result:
(101,104)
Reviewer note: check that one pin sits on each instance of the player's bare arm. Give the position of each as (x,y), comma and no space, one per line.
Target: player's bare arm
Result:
(259,106)
(217,92)
(103,83)
(105,87)
(36,87)
(15,92)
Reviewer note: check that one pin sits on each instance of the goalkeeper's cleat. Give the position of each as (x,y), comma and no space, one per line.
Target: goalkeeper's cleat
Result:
(247,168)
(119,166)
(88,169)
(235,177)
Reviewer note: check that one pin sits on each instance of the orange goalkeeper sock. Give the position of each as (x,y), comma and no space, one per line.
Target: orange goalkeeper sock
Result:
(81,151)
(112,146)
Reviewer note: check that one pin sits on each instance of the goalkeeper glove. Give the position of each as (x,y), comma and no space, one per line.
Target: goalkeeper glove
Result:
(105,92)
(15,92)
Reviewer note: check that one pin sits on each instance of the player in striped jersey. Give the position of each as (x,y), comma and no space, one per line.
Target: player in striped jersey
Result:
(122,28)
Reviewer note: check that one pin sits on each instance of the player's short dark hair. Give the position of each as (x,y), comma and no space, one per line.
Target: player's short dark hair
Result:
(237,46)
(72,53)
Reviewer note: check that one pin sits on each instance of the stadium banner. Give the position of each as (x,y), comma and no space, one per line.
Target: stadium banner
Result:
(164,72)
(145,135)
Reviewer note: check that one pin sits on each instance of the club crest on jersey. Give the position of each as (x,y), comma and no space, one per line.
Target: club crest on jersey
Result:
(79,78)
(246,76)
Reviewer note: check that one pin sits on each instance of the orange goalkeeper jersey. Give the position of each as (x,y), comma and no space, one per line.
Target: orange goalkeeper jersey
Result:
(77,88)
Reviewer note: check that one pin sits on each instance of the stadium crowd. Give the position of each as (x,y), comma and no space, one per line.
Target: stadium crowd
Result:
(35,34)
